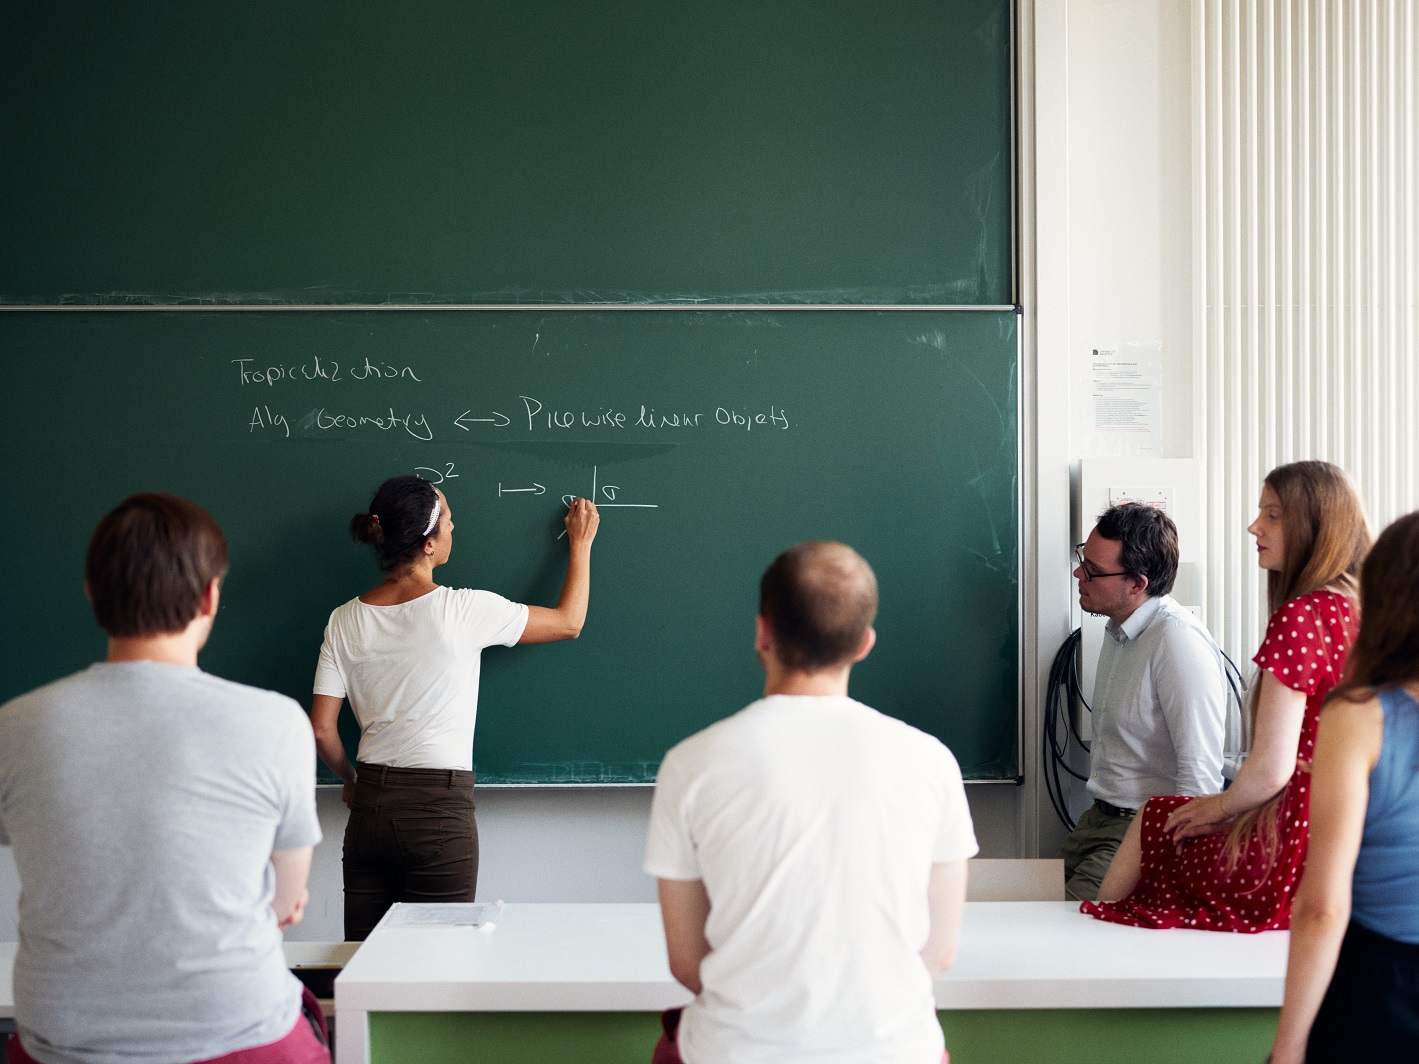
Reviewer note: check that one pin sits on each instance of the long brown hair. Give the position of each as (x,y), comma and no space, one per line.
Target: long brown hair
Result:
(1325,540)
(1325,534)
(1386,652)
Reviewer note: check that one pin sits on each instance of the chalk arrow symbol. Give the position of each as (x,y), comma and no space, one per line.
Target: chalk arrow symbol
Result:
(536,489)
(498,420)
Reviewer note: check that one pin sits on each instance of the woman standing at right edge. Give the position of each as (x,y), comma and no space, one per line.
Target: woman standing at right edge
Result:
(1363,866)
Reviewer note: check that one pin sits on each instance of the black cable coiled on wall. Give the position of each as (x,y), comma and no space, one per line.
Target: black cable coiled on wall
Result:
(1061,690)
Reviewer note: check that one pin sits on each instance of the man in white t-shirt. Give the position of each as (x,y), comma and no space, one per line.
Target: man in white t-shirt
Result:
(811,851)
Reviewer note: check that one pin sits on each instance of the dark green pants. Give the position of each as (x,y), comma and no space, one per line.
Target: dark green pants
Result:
(1089,850)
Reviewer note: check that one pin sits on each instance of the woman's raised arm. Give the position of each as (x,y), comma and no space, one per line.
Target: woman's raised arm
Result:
(565,620)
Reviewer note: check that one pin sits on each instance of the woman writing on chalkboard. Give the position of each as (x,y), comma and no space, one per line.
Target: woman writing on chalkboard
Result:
(406,654)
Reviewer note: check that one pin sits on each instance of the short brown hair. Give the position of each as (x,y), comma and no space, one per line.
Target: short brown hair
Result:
(819,599)
(1149,543)
(149,561)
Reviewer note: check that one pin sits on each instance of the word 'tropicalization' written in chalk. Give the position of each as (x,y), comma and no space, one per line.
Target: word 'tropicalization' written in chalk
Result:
(249,371)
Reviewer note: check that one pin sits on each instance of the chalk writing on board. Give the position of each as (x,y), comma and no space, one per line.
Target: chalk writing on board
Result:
(536,417)
(499,420)
(437,476)
(249,371)
(536,489)
(605,496)
(538,413)
(324,420)
(262,418)
(746,421)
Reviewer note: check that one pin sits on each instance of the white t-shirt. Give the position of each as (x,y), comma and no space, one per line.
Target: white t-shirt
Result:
(814,823)
(411,672)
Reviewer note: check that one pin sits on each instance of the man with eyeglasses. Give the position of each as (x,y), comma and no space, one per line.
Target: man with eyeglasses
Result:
(1160,694)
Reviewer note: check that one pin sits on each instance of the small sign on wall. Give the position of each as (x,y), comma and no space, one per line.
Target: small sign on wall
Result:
(1160,498)
(1123,407)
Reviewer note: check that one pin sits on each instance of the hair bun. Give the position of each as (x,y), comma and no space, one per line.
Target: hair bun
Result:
(365,528)
(396,521)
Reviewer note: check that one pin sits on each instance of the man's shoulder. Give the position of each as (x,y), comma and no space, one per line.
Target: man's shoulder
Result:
(819,711)
(1174,621)
(728,729)
(877,726)
(758,722)
(762,725)
(885,722)
(36,699)
(259,698)
(184,688)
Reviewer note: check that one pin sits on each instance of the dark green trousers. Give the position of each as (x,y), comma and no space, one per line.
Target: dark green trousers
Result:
(1089,850)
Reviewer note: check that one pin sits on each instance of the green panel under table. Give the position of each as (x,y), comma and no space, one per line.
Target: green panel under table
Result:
(1057,1036)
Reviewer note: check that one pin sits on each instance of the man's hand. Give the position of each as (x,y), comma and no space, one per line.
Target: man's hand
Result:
(347,794)
(292,868)
(684,909)
(297,913)
(946,899)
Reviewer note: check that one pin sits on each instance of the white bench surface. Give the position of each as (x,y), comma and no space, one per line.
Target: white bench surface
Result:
(611,957)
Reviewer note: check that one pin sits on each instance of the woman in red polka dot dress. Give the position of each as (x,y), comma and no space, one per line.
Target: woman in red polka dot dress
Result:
(1231,861)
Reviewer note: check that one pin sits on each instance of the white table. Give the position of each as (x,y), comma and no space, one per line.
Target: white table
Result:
(611,958)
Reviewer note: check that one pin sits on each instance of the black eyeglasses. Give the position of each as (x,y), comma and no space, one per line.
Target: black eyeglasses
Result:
(1089,574)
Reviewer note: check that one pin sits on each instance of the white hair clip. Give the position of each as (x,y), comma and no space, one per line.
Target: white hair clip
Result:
(434,517)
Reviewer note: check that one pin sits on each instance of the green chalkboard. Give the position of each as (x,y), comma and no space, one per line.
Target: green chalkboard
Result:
(723,437)
(481,151)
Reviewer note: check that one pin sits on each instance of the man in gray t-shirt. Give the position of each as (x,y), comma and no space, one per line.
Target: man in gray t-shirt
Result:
(162,822)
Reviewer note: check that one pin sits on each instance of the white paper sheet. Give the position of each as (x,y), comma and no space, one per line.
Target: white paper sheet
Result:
(482,915)
(1123,405)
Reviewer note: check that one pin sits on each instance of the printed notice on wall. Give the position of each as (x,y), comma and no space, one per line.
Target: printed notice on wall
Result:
(1123,407)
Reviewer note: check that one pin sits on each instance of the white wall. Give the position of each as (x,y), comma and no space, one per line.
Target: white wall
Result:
(1112,197)
(1130,194)
(1107,128)
(564,845)
(536,845)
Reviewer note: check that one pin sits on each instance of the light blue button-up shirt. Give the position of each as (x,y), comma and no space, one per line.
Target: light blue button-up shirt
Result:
(1160,708)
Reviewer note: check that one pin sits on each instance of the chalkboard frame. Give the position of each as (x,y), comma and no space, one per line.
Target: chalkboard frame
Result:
(557,302)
